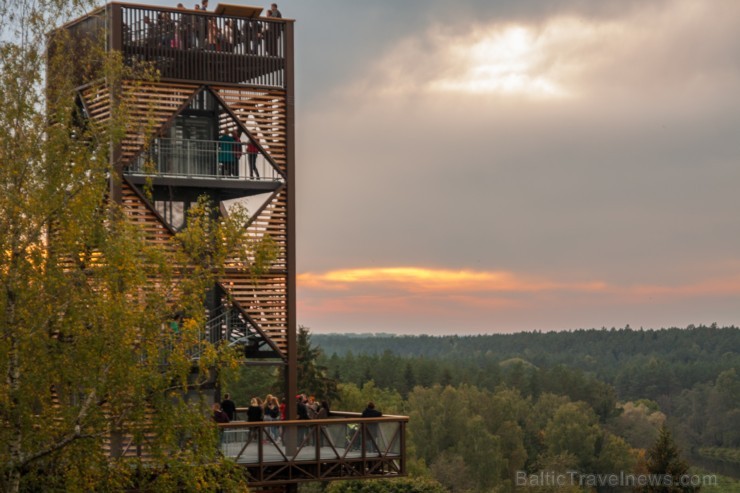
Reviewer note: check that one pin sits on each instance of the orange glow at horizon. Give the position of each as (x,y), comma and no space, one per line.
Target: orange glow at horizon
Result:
(426,279)
(421,279)
(414,296)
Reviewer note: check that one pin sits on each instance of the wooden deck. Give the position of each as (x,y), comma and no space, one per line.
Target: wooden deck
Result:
(346,446)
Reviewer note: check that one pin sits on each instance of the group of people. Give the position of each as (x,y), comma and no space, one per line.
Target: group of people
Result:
(231,35)
(230,152)
(272,409)
(310,408)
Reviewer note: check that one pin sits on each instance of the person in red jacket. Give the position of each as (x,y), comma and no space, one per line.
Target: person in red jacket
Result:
(252,153)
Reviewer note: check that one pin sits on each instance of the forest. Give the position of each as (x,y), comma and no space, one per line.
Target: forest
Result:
(485,408)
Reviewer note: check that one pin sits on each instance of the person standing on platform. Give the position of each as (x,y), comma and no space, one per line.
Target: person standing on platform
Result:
(252,153)
(228,406)
(255,414)
(225,153)
(237,152)
(373,431)
(274,12)
(272,31)
(218,415)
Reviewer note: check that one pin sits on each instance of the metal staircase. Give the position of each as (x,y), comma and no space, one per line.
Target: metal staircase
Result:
(228,325)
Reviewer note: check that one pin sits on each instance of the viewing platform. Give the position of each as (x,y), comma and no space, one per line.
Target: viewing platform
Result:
(229,45)
(345,446)
(202,163)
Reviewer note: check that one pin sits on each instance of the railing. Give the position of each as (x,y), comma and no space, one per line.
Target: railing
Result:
(343,446)
(226,325)
(189,44)
(202,159)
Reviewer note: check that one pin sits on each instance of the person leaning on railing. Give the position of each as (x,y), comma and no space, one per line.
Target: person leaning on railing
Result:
(372,428)
(371,412)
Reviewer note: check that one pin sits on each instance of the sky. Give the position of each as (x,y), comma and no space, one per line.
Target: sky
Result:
(514,165)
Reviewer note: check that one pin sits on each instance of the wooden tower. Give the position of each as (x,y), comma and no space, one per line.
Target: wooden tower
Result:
(218,120)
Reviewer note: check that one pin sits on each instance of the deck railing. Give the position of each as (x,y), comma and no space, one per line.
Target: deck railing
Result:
(190,44)
(193,158)
(343,446)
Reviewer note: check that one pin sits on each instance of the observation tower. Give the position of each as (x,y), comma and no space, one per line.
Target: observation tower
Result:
(218,119)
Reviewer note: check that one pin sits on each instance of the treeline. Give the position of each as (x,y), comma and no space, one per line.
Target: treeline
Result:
(676,357)
(638,363)
(478,424)
(689,375)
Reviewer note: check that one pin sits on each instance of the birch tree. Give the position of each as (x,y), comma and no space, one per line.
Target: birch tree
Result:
(91,369)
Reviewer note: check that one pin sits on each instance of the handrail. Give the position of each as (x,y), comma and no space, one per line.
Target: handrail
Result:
(331,420)
(195,45)
(316,449)
(194,158)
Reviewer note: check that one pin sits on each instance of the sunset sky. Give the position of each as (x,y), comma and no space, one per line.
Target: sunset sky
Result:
(497,166)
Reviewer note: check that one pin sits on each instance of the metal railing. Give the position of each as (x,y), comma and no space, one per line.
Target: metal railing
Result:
(202,159)
(190,44)
(345,445)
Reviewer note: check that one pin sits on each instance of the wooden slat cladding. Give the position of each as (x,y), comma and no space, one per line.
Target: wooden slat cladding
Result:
(130,441)
(264,114)
(97,102)
(148,106)
(139,213)
(264,298)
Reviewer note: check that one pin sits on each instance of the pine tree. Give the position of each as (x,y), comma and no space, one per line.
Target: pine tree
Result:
(313,378)
(665,467)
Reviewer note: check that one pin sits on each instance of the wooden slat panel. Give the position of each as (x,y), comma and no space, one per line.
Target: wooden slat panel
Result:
(149,105)
(263,113)
(264,297)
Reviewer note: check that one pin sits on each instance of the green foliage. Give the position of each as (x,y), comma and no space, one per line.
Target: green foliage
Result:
(253,381)
(402,485)
(678,370)
(313,377)
(638,363)
(638,423)
(573,430)
(353,398)
(722,454)
(85,298)
(664,461)
(716,483)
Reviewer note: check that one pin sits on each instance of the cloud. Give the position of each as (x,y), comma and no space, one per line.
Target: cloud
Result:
(579,158)
(565,55)
(429,280)
(412,299)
